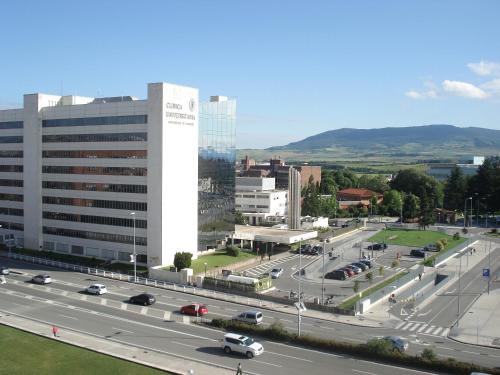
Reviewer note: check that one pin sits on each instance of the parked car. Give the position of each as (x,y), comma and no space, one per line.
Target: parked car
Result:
(249,317)
(337,275)
(245,345)
(377,246)
(4,271)
(41,279)
(97,289)
(369,263)
(398,343)
(349,271)
(417,253)
(305,249)
(354,269)
(361,265)
(314,250)
(276,273)
(143,299)
(431,247)
(195,309)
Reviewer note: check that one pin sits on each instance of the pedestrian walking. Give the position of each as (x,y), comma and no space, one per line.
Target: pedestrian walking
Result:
(419,276)
(269,255)
(54,331)
(239,369)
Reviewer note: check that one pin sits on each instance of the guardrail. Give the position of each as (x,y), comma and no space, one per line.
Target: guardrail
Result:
(442,257)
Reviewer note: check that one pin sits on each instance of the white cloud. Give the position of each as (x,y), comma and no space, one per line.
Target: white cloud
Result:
(429,94)
(464,89)
(485,68)
(492,87)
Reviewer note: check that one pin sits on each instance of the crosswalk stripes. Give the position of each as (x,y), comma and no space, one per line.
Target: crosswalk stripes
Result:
(420,327)
(262,268)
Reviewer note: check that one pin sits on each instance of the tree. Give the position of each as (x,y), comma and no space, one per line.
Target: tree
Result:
(232,251)
(411,206)
(373,205)
(311,205)
(328,185)
(486,183)
(426,210)
(411,181)
(376,183)
(355,287)
(345,179)
(328,206)
(455,189)
(239,218)
(393,202)
(369,277)
(182,260)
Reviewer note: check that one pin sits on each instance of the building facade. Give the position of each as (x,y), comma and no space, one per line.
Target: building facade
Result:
(79,174)
(216,171)
(294,203)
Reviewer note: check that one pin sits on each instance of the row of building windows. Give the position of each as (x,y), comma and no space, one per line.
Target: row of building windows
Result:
(11,125)
(11,197)
(111,171)
(11,226)
(17,183)
(120,238)
(102,220)
(91,154)
(90,121)
(11,211)
(11,154)
(110,137)
(12,139)
(87,186)
(11,168)
(97,203)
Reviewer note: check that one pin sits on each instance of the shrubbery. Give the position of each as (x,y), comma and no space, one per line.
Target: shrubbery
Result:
(182,260)
(232,251)
(456,236)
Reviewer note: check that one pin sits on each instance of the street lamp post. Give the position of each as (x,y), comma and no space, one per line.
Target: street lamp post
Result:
(135,254)
(471,213)
(459,278)
(300,288)
(465,211)
(205,268)
(323,279)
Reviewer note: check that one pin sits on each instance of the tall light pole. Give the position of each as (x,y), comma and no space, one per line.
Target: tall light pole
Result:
(205,268)
(465,211)
(459,275)
(325,241)
(135,254)
(300,288)
(471,212)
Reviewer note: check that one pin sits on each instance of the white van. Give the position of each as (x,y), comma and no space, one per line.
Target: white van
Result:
(249,317)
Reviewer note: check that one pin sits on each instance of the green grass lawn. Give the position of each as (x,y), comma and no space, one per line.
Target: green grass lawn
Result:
(218,259)
(24,353)
(414,238)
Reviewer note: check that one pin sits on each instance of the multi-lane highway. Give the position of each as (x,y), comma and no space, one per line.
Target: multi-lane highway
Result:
(112,317)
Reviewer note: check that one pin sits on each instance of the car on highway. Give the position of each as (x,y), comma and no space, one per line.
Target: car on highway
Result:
(195,309)
(97,289)
(361,265)
(41,279)
(233,342)
(377,246)
(397,343)
(337,275)
(276,273)
(354,269)
(4,270)
(348,271)
(249,317)
(143,299)
(369,263)
(417,253)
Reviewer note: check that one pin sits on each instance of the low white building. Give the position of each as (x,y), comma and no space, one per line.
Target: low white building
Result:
(310,222)
(256,199)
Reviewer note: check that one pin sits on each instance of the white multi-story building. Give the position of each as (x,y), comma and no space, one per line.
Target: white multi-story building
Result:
(78,174)
(257,199)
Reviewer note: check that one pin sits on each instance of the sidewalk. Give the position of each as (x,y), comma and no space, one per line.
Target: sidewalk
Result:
(163,361)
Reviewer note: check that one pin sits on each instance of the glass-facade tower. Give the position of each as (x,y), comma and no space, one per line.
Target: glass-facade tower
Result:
(216,171)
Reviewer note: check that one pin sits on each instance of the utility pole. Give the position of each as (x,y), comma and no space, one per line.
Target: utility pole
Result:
(300,291)
(489,267)
(323,279)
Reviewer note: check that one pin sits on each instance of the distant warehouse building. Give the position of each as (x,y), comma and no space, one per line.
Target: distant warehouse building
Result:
(87,176)
(468,166)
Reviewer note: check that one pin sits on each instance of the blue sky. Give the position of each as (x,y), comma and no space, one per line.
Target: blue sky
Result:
(296,68)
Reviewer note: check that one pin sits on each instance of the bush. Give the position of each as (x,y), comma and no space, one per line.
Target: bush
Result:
(233,251)
(456,236)
(369,277)
(394,263)
(465,231)
(444,241)
(494,231)
(182,260)
(379,346)
(428,354)
(439,245)
(355,287)
(381,270)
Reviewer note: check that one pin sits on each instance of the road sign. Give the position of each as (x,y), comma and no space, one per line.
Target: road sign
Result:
(300,306)
(403,312)
(486,272)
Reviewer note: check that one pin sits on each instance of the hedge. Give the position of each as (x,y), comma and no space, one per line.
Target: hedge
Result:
(276,332)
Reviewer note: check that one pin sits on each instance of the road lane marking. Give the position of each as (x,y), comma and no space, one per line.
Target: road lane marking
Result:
(429,329)
(181,343)
(437,331)
(364,372)
(266,363)
(69,317)
(290,356)
(445,348)
(465,351)
(122,330)
(400,325)
(424,326)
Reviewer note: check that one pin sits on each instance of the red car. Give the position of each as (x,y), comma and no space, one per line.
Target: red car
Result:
(349,271)
(195,309)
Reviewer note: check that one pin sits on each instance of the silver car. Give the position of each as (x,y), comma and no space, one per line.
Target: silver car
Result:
(41,279)
(4,271)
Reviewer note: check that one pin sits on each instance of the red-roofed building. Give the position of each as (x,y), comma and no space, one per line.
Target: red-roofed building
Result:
(357,197)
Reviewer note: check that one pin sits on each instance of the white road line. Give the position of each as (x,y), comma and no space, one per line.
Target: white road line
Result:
(290,356)
(363,372)
(445,332)
(445,348)
(267,363)
(437,331)
(409,325)
(400,325)
(414,327)
(69,317)
(122,330)
(181,343)
(429,329)
(465,351)
(424,326)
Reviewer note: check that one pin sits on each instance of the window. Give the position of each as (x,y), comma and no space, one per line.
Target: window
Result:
(11,168)
(100,220)
(117,205)
(12,139)
(11,211)
(17,183)
(78,250)
(113,171)
(11,197)
(96,154)
(11,154)
(11,125)
(91,121)
(110,137)
(109,237)
(114,188)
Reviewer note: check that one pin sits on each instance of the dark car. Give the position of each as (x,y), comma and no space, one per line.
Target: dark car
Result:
(143,299)
(361,265)
(417,253)
(368,263)
(314,250)
(431,247)
(336,275)
(306,249)
(377,246)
